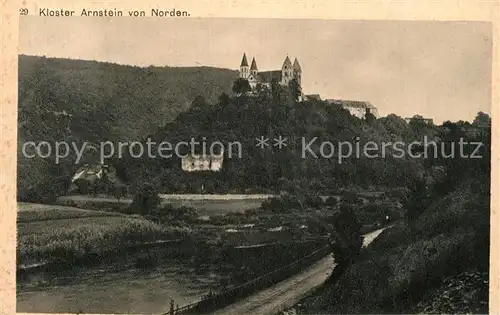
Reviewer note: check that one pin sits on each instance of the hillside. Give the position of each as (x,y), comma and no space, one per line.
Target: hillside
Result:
(130,101)
(273,114)
(77,100)
(436,260)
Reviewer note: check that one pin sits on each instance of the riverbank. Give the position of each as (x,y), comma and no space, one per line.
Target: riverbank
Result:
(286,293)
(65,252)
(407,263)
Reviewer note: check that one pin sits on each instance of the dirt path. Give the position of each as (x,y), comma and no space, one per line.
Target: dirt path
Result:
(284,294)
(288,292)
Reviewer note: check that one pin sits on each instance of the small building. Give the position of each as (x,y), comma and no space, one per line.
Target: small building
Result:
(197,163)
(356,108)
(96,178)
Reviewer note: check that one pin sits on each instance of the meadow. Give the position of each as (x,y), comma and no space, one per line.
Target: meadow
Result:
(204,204)
(32,212)
(69,234)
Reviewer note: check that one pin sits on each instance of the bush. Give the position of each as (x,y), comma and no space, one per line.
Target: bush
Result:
(351,198)
(397,236)
(170,213)
(331,201)
(313,201)
(382,213)
(284,203)
(398,193)
(425,263)
(146,201)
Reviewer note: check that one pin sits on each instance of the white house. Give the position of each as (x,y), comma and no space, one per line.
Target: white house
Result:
(197,163)
(356,108)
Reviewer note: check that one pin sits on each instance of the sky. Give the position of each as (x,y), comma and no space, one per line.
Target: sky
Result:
(440,70)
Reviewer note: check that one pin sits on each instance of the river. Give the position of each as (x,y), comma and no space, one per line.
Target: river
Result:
(108,289)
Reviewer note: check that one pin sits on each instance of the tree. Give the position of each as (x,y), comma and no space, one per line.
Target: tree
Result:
(370,118)
(146,200)
(482,119)
(295,88)
(199,102)
(417,201)
(346,234)
(224,99)
(241,86)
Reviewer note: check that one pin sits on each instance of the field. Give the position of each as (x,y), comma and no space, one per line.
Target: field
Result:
(31,212)
(65,233)
(205,204)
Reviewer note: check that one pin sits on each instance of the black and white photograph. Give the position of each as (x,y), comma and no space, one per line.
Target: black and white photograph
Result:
(209,165)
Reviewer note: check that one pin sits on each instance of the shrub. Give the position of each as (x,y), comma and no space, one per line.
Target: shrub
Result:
(284,203)
(313,201)
(427,262)
(361,290)
(351,198)
(146,201)
(398,193)
(171,213)
(331,201)
(398,235)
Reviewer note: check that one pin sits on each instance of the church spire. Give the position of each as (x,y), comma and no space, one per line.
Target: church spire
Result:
(244,62)
(253,68)
(244,73)
(287,63)
(296,65)
(254,65)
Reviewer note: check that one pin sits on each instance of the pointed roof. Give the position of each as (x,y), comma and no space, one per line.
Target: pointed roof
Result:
(254,65)
(296,65)
(244,62)
(287,62)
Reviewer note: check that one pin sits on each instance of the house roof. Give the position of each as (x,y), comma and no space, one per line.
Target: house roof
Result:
(88,172)
(254,65)
(351,104)
(244,62)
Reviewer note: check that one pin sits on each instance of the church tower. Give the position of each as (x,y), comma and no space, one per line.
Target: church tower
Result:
(244,73)
(286,71)
(297,71)
(253,67)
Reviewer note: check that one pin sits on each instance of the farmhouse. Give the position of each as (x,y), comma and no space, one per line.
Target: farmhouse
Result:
(93,177)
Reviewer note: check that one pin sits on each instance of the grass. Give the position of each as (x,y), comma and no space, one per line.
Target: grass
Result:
(77,234)
(212,207)
(29,212)
(203,206)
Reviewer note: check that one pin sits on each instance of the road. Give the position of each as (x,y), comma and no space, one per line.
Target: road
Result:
(288,292)
(171,197)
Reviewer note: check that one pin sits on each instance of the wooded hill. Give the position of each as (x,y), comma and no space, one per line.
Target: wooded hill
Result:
(72,100)
(111,101)
(271,114)
(77,100)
